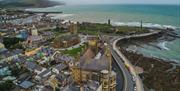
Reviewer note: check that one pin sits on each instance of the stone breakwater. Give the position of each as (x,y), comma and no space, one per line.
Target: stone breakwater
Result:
(158,74)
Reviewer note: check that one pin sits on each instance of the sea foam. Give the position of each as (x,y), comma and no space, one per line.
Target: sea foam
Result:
(162,45)
(149,25)
(59,16)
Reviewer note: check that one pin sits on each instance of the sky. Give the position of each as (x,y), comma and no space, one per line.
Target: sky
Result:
(120,1)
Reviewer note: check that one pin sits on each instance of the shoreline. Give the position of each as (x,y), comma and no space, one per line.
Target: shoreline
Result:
(29,4)
(92,20)
(133,44)
(159,75)
(118,23)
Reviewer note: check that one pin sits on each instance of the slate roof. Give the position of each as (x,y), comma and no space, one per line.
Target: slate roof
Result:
(44,73)
(32,66)
(90,63)
(26,84)
(60,77)
(61,67)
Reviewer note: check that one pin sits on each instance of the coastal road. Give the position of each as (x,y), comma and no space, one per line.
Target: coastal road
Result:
(131,72)
(132,81)
(128,83)
(138,82)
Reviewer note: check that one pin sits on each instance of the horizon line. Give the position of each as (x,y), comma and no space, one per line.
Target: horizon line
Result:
(124,4)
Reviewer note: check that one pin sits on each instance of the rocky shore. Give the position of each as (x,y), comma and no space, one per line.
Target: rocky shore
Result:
(158,75)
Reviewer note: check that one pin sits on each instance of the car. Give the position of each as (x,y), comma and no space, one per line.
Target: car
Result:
(133,78)
(135,88)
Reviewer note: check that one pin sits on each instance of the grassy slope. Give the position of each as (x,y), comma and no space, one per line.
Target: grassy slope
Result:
(27,3)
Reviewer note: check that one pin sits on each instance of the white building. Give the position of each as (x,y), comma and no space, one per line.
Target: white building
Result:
(34,31)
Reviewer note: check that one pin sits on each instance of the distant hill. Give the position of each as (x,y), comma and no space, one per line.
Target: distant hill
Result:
(28,3)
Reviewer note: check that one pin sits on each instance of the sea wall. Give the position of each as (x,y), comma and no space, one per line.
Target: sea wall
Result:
(157,75)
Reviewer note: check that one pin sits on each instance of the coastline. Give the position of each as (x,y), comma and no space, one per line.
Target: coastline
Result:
(159,43)
(120,14)
(29,3)
(159,75)
(72,16)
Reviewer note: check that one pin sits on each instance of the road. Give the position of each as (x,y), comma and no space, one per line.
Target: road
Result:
(128,84)
(119,76)
(121,61)
(138,81)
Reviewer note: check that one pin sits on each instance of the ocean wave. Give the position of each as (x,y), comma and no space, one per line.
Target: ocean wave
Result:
(176,61)
(58,16)
(149,25)
(162,45)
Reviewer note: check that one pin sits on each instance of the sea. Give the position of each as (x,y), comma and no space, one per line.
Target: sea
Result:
(161,16)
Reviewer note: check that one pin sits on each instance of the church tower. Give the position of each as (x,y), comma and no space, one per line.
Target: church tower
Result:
(73,28)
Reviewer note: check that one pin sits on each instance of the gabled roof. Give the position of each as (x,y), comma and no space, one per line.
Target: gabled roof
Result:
(30,65)
(26,84)
(42,74)
(61,67)
(93,64)
(60,77)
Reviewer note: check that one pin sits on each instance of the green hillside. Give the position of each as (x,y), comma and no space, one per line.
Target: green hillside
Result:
(27,3)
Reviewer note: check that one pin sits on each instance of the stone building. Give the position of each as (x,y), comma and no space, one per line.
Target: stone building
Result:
(34,31)
(73,28)
(95,65)
(66,41)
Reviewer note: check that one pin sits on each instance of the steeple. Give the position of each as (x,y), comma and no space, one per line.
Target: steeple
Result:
(108,54)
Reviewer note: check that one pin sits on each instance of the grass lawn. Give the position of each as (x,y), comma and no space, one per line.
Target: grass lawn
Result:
(74,52)
(89,32)
(58,33)
(94,28)
(128,29)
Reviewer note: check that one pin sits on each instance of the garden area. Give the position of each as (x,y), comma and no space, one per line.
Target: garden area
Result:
(74,52)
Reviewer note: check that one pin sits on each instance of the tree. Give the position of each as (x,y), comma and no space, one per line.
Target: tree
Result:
(15,70)
(6,86)
(10,42)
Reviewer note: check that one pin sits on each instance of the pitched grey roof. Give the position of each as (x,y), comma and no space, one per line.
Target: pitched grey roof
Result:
(61,67)
(26,84)
(61,77)
(30,65)
(44,73)
(95,64)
